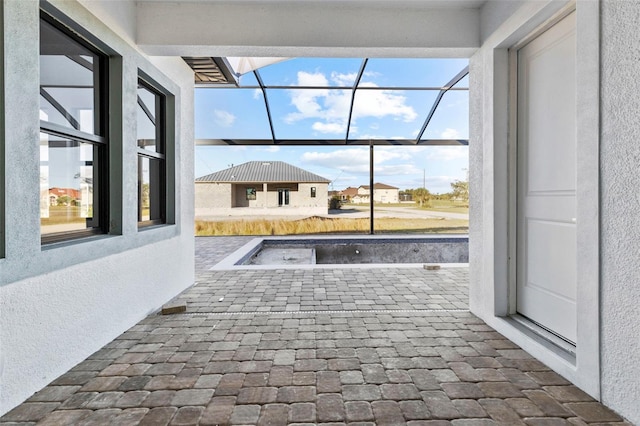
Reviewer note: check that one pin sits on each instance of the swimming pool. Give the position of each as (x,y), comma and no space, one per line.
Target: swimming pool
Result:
(296,252)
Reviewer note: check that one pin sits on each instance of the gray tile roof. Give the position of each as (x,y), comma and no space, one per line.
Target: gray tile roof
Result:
(264,172)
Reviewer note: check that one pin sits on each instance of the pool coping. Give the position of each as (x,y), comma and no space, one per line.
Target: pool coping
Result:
(233,261)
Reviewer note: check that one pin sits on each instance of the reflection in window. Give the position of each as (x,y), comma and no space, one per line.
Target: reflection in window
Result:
(73,147)
(68,75)
(149,175)
(313,192)
(66,184)
(151,155)
(251,193)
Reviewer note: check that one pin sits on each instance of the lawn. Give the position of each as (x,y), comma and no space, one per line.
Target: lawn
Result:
(447,206)
(62,214)
(318,225)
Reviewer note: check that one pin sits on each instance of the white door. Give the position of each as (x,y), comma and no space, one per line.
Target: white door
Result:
(546,210)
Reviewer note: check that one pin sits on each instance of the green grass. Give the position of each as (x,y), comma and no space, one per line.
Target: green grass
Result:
(446,206)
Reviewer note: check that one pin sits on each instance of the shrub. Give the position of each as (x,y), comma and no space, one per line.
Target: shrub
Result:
(335,203)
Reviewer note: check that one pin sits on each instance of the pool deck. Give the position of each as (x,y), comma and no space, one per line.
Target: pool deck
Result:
(357,346)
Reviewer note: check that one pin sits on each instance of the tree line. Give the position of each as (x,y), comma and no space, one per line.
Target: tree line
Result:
(459,192)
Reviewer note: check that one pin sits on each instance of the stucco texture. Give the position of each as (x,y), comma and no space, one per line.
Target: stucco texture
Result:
(620,206)
(60,303)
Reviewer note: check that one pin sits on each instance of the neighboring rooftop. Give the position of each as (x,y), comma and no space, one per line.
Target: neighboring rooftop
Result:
(263,171)
(379,185)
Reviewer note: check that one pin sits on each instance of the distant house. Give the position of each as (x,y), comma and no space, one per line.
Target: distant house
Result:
(261,188)
(382,193)
(348,194)
(72,196)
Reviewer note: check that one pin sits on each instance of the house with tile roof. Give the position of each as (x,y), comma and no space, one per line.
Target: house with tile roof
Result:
(261,188)
(382,193)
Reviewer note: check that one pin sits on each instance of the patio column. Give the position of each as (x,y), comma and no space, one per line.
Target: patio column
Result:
(371,179)
(264,191)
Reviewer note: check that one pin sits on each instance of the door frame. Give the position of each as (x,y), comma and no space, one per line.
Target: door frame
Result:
(285,193)
(541,331)
(580,364)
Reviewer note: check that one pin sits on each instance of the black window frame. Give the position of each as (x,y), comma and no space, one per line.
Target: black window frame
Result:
(160,153)
(313,192)
(250,193)
(99,139)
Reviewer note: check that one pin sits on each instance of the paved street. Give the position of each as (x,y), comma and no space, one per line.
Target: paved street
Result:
(319,346)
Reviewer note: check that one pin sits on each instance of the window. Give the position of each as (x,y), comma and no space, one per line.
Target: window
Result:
(313,192)
(251,193)
(151,155)
(73,135)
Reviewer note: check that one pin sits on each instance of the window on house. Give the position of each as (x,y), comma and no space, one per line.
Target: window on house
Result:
(73,135)
(151,155)
(251,193)
(313,192)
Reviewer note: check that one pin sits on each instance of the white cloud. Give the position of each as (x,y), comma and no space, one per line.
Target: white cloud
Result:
(312,79)
(370,136)
(344,79)
(450,134)
(355,160)
(383,154)
(271,148)
(331,107)
(448,153)
(397,170)
(382,103)
(257,93)
(329,127)
(223,118)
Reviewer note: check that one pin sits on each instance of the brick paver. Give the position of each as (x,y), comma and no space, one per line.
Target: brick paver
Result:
(313,346)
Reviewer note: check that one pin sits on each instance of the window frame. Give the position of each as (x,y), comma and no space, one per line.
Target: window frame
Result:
(250,193)
(160,154)
(99,139)
(313,192)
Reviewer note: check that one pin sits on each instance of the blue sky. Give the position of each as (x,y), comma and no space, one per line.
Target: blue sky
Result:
(323,114)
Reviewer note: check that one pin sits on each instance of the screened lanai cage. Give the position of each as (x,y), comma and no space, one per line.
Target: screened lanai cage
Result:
(386,138)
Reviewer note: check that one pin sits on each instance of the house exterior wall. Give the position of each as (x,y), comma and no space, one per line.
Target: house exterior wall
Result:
(385,196)
(608,227)
(379,196)
(214,199)
(62,302)
(620,207)
(212,196)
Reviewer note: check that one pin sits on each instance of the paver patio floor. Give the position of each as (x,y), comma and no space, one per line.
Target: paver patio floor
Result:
(317,346)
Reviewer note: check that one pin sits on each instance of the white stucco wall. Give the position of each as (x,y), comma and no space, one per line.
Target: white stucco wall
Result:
(289,29)
(492,287)
(60,303)
(605,364)
(620,208)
